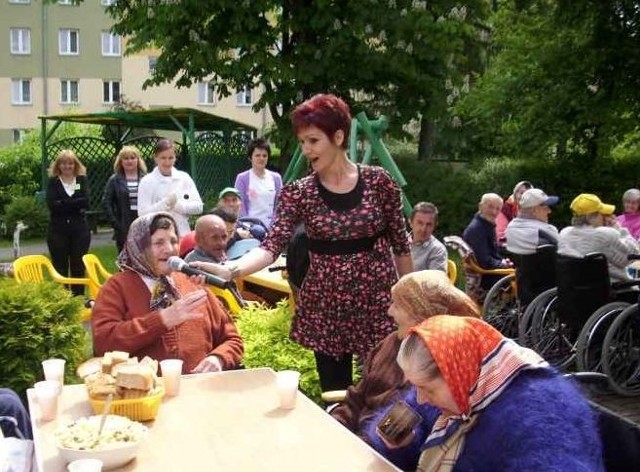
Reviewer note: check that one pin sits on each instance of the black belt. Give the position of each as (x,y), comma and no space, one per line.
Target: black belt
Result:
(341,247)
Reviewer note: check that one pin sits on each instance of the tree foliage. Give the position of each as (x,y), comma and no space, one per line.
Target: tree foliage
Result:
(563,80)
(393,56)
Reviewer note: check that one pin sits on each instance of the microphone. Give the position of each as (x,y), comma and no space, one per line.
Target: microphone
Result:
(175,263)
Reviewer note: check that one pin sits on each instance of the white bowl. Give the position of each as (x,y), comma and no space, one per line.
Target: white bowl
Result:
(119,442)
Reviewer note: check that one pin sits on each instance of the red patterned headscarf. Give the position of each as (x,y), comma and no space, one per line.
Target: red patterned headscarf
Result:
(476,361)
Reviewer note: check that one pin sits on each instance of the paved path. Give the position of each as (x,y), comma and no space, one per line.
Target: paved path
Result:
(101,238)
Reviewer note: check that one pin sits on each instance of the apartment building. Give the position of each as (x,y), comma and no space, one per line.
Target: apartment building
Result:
(59,58)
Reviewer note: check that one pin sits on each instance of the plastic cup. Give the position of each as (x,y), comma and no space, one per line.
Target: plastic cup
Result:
(54,370)
(47,392)
(287,383)
(85,465)
(171,372)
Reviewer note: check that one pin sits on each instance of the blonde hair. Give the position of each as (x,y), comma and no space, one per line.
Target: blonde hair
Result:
(128,151)
(65,155)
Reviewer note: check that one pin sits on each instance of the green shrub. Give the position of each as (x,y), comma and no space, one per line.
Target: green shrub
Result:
(266,343)
(38,321)
(32,213)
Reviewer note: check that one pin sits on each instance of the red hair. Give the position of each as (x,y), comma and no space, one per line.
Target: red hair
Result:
(326,112)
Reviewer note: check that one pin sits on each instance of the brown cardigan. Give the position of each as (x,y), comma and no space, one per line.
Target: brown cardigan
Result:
(382,378)
(121,321)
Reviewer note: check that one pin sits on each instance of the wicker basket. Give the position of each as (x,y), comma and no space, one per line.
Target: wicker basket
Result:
(136,409)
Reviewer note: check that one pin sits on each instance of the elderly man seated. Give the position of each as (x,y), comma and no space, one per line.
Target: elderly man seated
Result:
(246,227)
(480,234)
(211,240)
(595,229)
(531,228)
(426,251)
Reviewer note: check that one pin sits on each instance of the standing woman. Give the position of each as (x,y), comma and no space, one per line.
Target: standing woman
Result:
(258,186)
(69,235)
(121,192)
(358,244)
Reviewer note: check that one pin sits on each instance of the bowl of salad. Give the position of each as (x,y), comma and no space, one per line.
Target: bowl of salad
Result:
(118,443)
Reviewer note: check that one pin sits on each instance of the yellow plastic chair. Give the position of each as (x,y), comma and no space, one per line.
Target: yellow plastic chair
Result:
(228,299)
(452,271)
(96,273)
(39,268)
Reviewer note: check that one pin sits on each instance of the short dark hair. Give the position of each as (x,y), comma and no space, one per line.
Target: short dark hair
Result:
(227,215)
(424,207)
(162,222)
(258,143)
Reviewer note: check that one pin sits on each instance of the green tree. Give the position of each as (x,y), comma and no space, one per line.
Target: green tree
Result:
(563,80)
(393,56)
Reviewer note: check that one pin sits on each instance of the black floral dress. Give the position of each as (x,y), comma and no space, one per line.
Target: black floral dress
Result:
(343,302)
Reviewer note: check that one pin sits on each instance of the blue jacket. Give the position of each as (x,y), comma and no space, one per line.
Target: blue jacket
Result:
(480,234)
(541,422)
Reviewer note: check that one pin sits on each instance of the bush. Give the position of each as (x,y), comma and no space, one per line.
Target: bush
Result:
(32,213)
(266,343)
(38,321)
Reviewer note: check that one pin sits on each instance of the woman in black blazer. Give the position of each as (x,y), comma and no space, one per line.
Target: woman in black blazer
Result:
(121,192)
(69,235)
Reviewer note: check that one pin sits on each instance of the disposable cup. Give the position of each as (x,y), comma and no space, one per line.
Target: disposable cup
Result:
(287,383)
(54,370)
(85,465)
(171,372)
(47,392)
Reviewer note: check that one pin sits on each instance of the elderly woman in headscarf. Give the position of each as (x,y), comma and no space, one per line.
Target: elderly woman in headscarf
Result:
(488,404)
(148,310)
(414,298)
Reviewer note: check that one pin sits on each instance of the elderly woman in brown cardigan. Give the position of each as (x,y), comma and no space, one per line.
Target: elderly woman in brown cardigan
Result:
(415,297)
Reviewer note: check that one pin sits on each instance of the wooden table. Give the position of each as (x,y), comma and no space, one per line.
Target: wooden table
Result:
(227,421)
(272,280)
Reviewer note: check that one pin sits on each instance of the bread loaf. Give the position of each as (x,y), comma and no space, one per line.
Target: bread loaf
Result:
(135,376)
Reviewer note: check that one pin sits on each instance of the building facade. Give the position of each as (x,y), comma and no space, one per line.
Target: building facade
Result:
(60,57)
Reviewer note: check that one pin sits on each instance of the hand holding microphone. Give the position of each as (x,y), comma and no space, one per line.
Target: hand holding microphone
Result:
(175,263)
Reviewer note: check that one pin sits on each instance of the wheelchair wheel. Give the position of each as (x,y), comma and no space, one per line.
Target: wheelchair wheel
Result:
(621,352)
(591,338)
(531,312)
(551,337)
(501,306)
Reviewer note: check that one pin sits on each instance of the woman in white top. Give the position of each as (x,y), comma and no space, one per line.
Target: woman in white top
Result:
(169,189)
(258,186)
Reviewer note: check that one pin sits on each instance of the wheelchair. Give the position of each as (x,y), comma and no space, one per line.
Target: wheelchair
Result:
(508,298)
(621,352)
(567,324)
(500,301)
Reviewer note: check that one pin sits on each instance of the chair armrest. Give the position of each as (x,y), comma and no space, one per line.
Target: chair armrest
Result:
(334,396)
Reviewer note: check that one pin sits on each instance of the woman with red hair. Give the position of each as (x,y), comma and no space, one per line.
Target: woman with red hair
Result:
(358,243)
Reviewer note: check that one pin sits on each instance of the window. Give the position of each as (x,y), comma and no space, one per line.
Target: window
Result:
(206,93)
(106,3)
(18,135)
(19,1)
(68,40)
(153,60)
(243,96)
(21,91)
(110,91)
(65,2)
(20,40)
(110,44)
(68,91)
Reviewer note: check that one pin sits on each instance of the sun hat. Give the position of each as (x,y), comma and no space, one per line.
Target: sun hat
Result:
(587,203)
(227,190)
(535,196)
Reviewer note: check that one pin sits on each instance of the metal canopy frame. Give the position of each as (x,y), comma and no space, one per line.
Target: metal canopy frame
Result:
(184,120)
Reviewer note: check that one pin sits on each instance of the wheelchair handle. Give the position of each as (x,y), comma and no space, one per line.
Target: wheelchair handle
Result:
(633,257)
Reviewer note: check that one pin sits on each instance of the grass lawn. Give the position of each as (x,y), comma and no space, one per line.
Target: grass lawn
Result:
(107,255)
